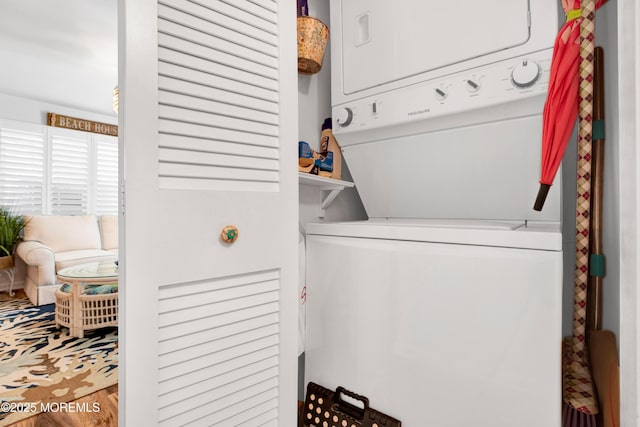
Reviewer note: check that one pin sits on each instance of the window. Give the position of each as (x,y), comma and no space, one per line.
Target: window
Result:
(46,170)
(69,177)
(106,184)
(22,166)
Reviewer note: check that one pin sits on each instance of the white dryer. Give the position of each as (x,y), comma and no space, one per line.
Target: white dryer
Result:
(444,308)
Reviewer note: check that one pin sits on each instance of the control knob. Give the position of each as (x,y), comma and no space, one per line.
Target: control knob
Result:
(473,85)
(525,74)
(441,93)
(344,116)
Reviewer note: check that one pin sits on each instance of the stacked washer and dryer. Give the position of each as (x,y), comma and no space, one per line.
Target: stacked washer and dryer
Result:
(444,307)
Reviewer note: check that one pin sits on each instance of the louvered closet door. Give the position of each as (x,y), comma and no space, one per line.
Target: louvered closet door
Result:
(208,135)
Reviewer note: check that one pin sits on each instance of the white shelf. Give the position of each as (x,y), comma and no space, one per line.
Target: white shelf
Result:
(329,186)
(322,182)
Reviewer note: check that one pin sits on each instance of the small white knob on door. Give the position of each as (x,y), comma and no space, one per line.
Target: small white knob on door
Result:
(525,74)
(344,116)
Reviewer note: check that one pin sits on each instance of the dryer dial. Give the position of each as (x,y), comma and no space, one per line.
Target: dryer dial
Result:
(473,85)
(525,74)
(345,115)
(441,93)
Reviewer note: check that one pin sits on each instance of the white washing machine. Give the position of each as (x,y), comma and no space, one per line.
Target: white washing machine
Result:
(438,323)
(444,308)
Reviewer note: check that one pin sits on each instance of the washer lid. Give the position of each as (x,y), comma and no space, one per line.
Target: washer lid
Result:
(510,234)
(385,41)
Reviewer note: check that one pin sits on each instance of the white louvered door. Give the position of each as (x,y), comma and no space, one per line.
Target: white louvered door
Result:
(208,125)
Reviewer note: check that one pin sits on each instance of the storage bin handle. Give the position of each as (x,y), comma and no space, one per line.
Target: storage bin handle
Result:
(349,408)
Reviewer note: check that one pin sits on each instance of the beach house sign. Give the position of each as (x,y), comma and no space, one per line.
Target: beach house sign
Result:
(60,121)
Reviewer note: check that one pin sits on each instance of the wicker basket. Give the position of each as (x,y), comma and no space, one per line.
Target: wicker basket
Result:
(96,311)
(312,41)
(6,262)
(64,313)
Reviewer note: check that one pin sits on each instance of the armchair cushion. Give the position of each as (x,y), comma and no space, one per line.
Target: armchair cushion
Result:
(109,232)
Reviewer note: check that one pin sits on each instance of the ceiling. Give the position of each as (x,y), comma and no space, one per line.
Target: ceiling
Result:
(60,51)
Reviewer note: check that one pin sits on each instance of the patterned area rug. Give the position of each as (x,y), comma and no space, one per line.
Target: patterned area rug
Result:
(40,365)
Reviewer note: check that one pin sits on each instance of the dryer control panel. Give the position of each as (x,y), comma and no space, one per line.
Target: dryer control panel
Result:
(504,82)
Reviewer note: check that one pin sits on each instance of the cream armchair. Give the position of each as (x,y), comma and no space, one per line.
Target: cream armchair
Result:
(53,242)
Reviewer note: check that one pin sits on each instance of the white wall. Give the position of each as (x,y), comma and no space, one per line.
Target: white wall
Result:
(568,229)
(35,111)
(606,36)
(314,105)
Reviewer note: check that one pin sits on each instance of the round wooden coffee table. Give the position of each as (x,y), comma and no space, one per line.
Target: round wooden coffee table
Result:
(81,311)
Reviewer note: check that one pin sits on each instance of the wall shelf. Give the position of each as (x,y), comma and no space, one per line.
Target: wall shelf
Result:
(330,188)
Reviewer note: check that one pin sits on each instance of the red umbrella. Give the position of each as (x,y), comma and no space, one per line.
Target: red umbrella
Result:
(561,107)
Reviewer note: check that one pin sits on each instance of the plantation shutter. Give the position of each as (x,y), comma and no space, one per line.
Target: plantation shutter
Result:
(22,165)
(106,181)
(69,175)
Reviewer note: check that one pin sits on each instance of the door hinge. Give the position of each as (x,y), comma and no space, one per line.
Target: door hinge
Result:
(121,197)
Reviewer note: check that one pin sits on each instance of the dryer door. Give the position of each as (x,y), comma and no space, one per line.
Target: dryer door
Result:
(386,41)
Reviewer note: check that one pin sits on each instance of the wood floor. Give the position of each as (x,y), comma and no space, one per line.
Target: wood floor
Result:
(106,399)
